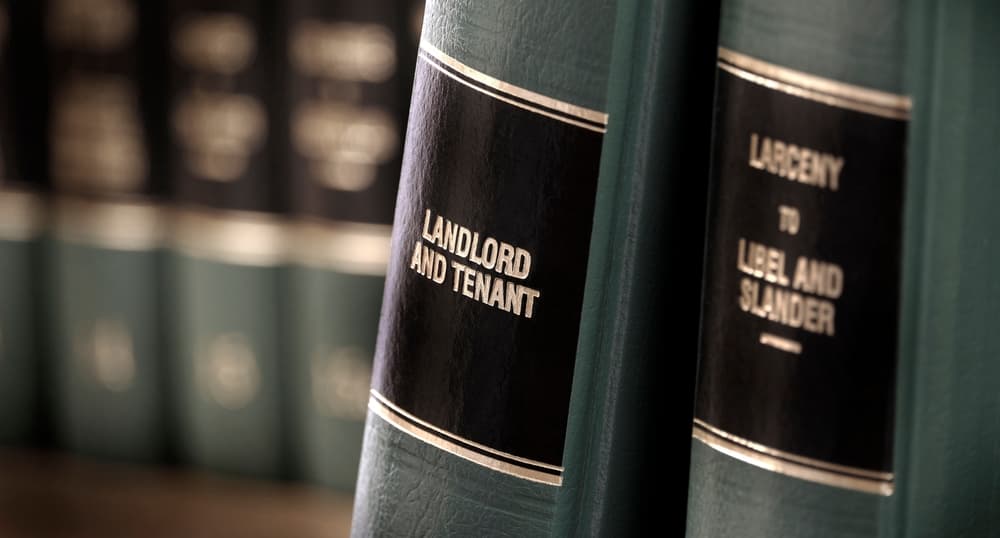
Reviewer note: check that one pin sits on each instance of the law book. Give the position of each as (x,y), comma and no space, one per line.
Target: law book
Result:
(22,215)
(946,437)
(227,241)
(844,353)
(348,63)
(482,308)
(627,444)
(104,257)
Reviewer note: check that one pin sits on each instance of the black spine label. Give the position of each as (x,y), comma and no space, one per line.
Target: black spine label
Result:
(220,116)
(97,122)
(799,333)
(483,298)
(8,156)
(346,115)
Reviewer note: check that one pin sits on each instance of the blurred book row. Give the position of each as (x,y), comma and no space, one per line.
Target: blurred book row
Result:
(195,205)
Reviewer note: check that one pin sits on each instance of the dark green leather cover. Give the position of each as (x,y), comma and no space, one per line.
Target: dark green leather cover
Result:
(627,446)
(560,50)
(335,319)
(108,379)
(948,403)
(859,43)
(227,367)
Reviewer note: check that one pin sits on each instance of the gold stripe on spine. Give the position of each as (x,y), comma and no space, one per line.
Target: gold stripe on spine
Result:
(348,247)
(808,86)
(785,463)
(236,237)
(781,343)
(117,225)
(393,414)
(569,109)
(21,215)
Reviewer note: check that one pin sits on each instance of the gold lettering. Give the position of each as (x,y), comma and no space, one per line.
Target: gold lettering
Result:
(344,51)
(221,43)
(755,161)
(796,163)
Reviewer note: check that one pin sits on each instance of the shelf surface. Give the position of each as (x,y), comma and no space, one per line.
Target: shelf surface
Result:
(53,495)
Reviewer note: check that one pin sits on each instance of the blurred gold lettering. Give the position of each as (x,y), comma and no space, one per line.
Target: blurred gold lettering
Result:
(97,25)
(346,144)
(341,380)
(221,43)
(344,51)
(219,132)
(96,135)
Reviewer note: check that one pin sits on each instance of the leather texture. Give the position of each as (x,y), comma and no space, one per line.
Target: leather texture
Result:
(558,48)
(731,498)
(855,42)
(409,488)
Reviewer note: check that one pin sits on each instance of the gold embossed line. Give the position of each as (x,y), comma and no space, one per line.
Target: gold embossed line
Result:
(22,215)
(579,116)
(497,460)
(115,225)
(227,236)
(348,247)
(778,461)
(812,87)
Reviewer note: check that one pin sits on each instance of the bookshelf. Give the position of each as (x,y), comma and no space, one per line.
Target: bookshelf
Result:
(47,494)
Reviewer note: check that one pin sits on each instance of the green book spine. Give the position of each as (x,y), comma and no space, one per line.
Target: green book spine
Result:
(627,446)
(21,224)
(104,254)
(20,227)
(343,189)
(227,238)
(483,298)
(947,434)
(793,427)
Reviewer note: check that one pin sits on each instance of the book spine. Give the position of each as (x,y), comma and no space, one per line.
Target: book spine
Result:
(21,224)
(946,437)
(346,113)
(107,228)
(794,408)
(227,240)
(636,355)
(482,309)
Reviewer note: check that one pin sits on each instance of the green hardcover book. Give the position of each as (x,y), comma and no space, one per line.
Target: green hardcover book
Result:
(21,224)
(346,118)
(804,424)
(627,443)
(824,402)
(483,298)
(227,238)
(107,226)
(947,434)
